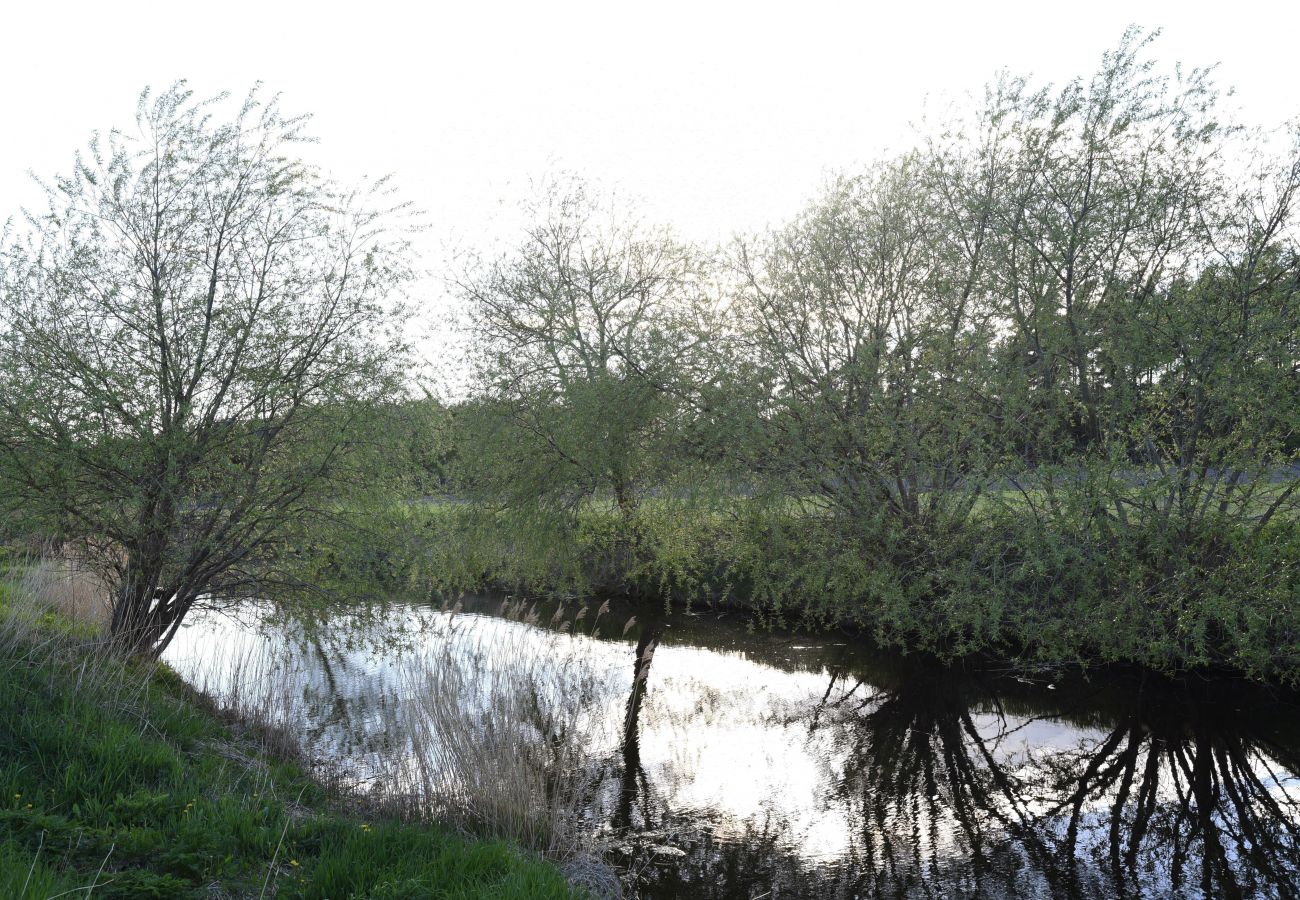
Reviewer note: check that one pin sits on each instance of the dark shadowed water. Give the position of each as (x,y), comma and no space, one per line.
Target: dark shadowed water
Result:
(751,765)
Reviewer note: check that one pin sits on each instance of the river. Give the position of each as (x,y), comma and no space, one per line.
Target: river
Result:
(713,761)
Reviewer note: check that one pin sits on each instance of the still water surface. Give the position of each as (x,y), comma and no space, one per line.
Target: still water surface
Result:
(755,765)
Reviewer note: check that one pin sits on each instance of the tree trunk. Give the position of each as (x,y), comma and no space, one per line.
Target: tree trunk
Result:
(144,612)
(136,625)
(624,498)
(632,771)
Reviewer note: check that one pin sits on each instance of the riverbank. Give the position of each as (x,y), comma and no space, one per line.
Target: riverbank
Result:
(117,780)
(1058,590)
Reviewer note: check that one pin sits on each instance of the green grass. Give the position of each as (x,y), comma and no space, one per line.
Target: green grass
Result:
(114,782)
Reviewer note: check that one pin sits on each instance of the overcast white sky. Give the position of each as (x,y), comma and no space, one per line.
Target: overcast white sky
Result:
(720,117)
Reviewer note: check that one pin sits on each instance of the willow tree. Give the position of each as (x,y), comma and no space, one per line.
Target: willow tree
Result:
(190,337)
(869,340)
(1143,264)
(582,335)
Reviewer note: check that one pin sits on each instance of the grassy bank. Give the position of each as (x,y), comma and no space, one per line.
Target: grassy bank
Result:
(116,781)
(1064,587)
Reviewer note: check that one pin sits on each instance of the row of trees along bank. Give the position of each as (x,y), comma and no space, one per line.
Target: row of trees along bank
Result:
(1033,383)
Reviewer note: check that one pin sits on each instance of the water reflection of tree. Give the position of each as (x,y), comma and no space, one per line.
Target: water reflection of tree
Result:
(725,864)
(1163,800)
(634,785)
(1168,794)
(1183,797)
(934,809)
(720,858)
(345,708)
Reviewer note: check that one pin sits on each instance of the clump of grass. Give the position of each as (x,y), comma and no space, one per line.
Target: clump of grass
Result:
(256,686)
(487,726)
(501,731)
(69,586)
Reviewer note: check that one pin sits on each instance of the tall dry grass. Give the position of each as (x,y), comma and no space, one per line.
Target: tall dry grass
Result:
(491,728)
(499,733)
(239,664)
(503,727)
(69,586)
(488,725)
(55,611)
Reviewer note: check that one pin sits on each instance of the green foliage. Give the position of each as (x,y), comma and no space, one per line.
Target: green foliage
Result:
(25,876)
(1031,387)
(1059,590)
